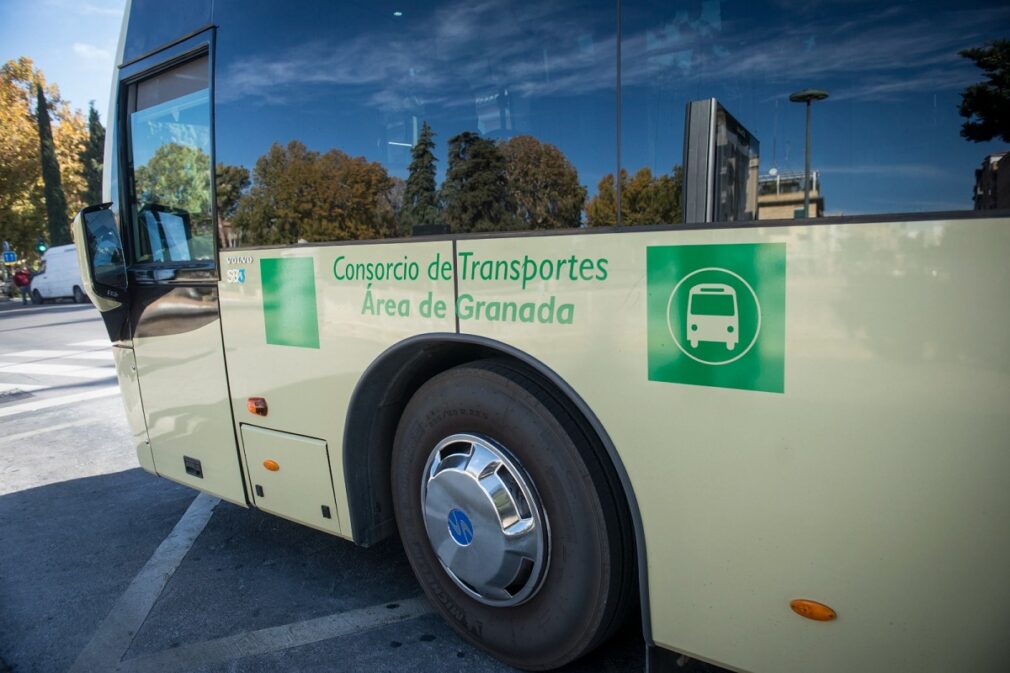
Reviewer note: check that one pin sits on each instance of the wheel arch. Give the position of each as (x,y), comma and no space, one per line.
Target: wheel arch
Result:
(378,400)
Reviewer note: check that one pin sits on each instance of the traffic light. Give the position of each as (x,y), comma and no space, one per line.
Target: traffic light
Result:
(41,246)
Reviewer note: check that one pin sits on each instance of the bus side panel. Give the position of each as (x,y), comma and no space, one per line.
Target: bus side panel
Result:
(300,337)
(182,379)
(126,371)
(860,462)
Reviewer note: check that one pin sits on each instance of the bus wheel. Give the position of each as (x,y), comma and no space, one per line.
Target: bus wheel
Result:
(37,297)
(79,296)
(514,525)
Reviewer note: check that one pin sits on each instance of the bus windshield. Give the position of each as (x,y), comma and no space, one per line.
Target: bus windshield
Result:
(712,304)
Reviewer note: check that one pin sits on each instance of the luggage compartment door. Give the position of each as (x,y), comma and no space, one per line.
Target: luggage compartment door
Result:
(290,476)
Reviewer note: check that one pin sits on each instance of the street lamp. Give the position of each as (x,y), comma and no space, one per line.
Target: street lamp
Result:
(807,96)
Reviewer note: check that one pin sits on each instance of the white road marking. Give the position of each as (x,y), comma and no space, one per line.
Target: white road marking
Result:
(94,355)
(43,307)
(273,639)
(41,354)
(113,637)
(11,439)
(48,403)
(94,343)
(26,387)
(49,369)
(103,354)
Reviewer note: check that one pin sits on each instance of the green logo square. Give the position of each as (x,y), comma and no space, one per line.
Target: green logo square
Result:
(289,301)
(717,315)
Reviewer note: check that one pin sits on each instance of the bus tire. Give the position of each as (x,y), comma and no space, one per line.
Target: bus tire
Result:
(37,297)
(532,616)
(79,296)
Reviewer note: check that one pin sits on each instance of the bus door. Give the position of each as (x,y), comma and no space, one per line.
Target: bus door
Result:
(172,275)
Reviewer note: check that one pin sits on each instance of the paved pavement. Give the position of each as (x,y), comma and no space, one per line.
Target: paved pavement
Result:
(104,567)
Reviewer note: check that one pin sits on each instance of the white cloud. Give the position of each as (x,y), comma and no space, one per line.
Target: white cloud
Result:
(91,52)
(88,8)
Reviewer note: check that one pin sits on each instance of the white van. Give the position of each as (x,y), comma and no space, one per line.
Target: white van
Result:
(60,276)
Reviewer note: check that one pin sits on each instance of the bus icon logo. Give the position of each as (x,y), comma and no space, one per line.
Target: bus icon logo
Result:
(706,316)
(712,315)
(716,315)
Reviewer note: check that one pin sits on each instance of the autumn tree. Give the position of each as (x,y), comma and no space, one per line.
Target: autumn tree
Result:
(230,182)
(22,195)
(395,198)
(22,218)
(92,157)
(420,196)
(298,194)
(986,105)
(70,135)
(645,199)
(543,184)
(475,194)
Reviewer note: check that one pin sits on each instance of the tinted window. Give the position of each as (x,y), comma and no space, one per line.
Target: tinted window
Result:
(363,120)
(170,149)
(156,23)
(886,139)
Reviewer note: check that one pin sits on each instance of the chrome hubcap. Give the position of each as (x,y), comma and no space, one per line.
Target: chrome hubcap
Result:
(484,520)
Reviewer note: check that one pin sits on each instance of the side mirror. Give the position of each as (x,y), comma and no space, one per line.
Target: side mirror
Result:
(101,257)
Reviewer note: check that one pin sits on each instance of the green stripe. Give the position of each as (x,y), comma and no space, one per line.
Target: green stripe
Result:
(289,301)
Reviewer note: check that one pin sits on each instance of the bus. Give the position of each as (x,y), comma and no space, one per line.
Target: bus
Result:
(432,270)
(712,315)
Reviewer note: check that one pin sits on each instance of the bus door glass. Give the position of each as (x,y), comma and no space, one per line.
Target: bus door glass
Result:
(173,278)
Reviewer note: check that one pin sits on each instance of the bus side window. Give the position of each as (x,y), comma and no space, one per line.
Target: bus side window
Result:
(169,132)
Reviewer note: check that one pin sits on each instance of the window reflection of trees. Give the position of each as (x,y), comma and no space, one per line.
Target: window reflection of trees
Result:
(517,184)
(645,199)
(177,178)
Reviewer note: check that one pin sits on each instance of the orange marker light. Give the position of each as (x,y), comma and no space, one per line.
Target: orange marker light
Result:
(812,610)
(256,405)
(271,465)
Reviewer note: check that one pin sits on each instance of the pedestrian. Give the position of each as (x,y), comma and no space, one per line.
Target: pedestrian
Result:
(23,280)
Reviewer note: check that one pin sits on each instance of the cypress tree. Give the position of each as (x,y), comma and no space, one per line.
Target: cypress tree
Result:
(92,157)
(476,191)
(56,201)
(420,198)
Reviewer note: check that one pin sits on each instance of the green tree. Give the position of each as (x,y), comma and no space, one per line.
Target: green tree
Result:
(298,194)
(601,211)
(645,199)
(56,200)
(92,157)
(544,185)
(420,196)
(475,194)
(986,105)
(177,176)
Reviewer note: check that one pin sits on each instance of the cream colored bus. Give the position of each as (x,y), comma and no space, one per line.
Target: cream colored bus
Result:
(367,267)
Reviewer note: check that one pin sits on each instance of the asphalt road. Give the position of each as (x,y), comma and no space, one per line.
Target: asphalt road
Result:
(104,567)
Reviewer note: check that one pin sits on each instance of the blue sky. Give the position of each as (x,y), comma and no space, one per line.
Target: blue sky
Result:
(886,141)
(74,43)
